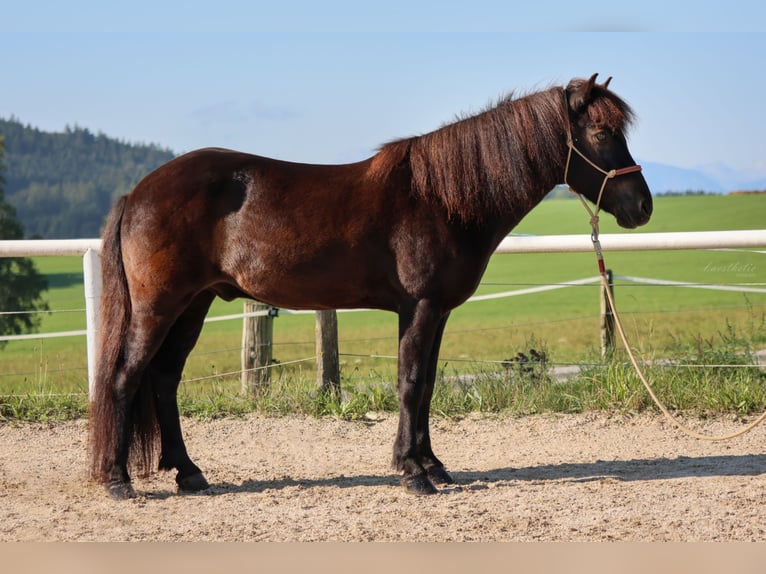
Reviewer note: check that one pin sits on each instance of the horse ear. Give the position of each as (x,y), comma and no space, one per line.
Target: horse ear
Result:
(606,84)
(579,93)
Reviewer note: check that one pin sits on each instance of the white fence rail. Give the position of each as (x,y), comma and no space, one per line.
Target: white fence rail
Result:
(634,241)
(90,249)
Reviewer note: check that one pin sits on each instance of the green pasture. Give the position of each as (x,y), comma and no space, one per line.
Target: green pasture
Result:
(663,322)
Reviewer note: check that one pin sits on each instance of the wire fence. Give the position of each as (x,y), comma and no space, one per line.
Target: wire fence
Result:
(54,361)
(43,371)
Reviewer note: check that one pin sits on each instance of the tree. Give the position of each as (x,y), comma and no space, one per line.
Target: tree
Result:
(63,184)
(21,286)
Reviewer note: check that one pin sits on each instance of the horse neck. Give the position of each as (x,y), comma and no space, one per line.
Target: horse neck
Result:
(499,163)
(540,133)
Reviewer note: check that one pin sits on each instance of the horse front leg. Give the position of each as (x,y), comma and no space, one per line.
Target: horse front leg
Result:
(428,459)
(418,333)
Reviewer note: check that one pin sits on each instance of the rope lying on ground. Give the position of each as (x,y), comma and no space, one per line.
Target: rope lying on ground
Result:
(605,283)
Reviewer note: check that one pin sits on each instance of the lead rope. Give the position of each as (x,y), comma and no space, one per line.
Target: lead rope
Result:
(605,283)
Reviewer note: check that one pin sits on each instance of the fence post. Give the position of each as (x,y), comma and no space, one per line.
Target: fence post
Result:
(257,337)
(91,271)
(328,365)
(607,320)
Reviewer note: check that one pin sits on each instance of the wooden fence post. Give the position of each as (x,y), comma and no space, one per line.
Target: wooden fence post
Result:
(607,320)
(328,365)
(257,336)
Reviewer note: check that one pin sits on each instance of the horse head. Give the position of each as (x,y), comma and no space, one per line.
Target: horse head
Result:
(599,164)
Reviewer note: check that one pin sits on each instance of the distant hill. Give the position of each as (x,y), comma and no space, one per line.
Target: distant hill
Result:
(63,184)
(667,178)
(718,178)
(733,179)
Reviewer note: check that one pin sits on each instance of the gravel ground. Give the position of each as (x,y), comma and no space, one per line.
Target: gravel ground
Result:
(589,477)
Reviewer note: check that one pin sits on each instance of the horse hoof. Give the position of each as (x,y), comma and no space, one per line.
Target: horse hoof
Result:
(192,483)
(121,490)
(438,475)
(419,484)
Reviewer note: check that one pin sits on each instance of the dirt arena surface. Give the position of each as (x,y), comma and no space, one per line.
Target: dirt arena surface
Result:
(590,477)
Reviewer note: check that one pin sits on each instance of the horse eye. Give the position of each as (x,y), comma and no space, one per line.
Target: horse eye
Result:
(601,136)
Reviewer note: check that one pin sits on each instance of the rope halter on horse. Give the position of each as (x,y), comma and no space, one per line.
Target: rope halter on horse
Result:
(607,176)
(607,290)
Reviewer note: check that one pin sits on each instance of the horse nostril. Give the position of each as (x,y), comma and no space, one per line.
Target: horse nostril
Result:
(646,207)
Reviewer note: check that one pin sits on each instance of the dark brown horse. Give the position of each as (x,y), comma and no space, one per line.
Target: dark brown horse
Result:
(409,230)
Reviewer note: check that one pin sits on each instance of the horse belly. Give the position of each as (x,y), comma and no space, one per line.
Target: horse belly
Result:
(325,280)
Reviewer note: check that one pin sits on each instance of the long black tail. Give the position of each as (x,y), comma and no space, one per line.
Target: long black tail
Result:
(115,314)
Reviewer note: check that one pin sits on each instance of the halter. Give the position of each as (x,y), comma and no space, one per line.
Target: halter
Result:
(608,291)
(607,176)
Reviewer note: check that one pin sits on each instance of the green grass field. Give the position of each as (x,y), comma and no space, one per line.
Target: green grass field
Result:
(662,321)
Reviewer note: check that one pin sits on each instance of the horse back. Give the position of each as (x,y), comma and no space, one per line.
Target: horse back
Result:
(295,235)
(220,219)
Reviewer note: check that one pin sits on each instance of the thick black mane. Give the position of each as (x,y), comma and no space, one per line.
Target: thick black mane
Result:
(501,161)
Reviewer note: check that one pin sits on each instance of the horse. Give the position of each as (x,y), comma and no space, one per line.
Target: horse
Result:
(409,230)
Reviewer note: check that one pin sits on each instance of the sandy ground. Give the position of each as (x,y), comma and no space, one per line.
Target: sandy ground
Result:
(592,477)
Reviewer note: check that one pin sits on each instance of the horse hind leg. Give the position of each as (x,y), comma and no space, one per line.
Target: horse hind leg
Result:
(164,373)
(134,426)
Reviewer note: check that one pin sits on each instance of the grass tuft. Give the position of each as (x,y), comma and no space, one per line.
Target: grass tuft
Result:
(706,376)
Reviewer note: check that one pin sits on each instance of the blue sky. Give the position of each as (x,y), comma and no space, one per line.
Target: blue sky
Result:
(310,81)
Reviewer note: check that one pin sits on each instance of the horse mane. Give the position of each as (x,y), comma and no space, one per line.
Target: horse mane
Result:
(607,109)
(501,161)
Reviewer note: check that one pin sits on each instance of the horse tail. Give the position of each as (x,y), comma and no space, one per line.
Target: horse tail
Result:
(115,316)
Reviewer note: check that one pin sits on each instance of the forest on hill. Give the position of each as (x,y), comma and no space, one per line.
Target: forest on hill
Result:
(62,184)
